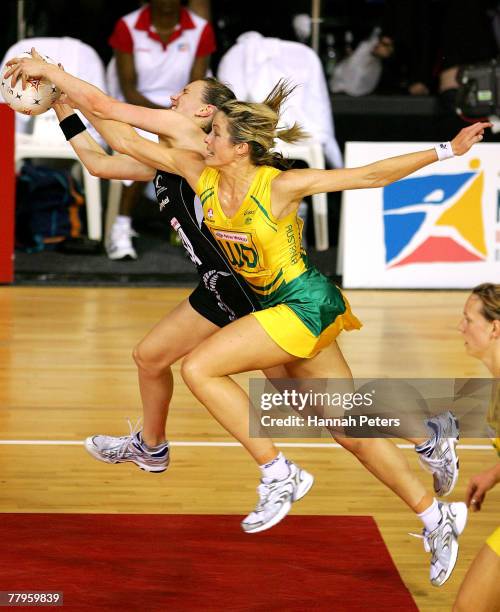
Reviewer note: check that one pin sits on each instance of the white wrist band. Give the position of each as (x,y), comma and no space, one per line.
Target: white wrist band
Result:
(444,150)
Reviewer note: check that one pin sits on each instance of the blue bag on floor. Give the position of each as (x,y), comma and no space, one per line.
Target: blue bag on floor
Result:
(48,207)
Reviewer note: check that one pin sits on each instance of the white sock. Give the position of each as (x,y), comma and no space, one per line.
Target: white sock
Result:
(276,469)
(123,221)
(431,517)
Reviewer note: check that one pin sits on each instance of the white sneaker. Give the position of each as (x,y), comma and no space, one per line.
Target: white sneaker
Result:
(443,462)
(276,498)
(113,449)
(442,543)
(119,243)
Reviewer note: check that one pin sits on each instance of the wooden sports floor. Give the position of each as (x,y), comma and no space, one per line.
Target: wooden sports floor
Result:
(66,372)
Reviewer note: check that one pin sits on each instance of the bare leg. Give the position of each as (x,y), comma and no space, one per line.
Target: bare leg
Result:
(169,340)
(480,589)
(379,455)
(242,346)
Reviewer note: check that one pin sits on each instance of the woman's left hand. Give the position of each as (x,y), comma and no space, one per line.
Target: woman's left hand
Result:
(478,486)
(469,136)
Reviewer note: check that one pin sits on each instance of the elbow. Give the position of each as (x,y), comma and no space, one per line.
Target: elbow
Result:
(374,180)
(95,170)
(95,167)
(382,182)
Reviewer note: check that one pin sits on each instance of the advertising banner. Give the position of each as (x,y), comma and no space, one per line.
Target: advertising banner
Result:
(437,228)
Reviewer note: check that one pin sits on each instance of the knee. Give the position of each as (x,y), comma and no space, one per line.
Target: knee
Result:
(149,361)
(191,371)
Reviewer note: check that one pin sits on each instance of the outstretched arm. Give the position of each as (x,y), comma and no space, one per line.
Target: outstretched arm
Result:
(97,161)
(92,99)
(294,185)
(124,139)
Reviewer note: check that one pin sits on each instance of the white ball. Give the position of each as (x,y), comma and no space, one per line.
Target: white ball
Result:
(36,99)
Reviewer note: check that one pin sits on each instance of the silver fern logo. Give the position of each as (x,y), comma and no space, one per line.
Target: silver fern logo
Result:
(210,281)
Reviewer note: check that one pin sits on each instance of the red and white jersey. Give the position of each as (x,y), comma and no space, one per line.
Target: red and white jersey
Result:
(162,69)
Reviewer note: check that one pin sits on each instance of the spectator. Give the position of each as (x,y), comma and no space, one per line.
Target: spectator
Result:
(468,37)
(424,42)
(406,45)
(158,49)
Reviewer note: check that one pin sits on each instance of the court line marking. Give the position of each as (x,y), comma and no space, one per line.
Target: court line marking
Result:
(220,444)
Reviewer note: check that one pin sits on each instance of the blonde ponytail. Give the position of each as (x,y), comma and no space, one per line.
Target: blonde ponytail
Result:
(257,124)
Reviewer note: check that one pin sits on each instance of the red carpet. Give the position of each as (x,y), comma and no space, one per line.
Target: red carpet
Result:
(153,563)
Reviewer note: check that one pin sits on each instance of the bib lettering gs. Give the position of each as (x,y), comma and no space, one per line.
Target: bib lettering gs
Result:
(265,250)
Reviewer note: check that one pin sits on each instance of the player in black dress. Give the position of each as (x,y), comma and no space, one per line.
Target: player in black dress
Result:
(221,295)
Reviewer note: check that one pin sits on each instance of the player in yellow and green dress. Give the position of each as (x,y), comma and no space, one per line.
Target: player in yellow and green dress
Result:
(480,326)
(251,206)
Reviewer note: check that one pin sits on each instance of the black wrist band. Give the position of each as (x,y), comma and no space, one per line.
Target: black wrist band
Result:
(72,126)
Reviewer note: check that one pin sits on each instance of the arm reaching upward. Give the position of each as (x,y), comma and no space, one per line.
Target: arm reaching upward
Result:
(124,139)
(90,98)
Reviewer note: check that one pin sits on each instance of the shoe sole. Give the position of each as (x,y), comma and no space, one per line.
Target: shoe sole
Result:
(456,463)
(460,522)
(304,487)
(284,510)
(89,447)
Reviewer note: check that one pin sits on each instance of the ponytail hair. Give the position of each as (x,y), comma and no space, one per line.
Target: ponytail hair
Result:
(256,123)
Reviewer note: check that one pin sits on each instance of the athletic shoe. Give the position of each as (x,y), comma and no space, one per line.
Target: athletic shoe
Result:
(276,498)
(442,543)
(119,244)
(111,449)
(442,463)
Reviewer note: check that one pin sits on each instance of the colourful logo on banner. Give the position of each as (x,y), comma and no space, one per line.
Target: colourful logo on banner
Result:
(437,218)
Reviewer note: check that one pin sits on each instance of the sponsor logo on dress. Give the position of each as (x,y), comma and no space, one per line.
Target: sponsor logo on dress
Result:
(159,188)
(210,213)
(231,236)
(164,202)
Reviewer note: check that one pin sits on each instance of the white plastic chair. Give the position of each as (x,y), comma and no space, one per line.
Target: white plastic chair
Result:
(311,152)
(45,140)
(253,66)
(43,145)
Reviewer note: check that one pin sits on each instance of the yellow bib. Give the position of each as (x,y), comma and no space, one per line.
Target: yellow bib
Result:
(266,251)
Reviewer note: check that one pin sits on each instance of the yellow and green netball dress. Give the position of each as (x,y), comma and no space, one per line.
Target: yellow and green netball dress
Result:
(493,420)
(303,311)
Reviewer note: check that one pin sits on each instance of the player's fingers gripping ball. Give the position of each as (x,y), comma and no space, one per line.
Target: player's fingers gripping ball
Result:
(38,96)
